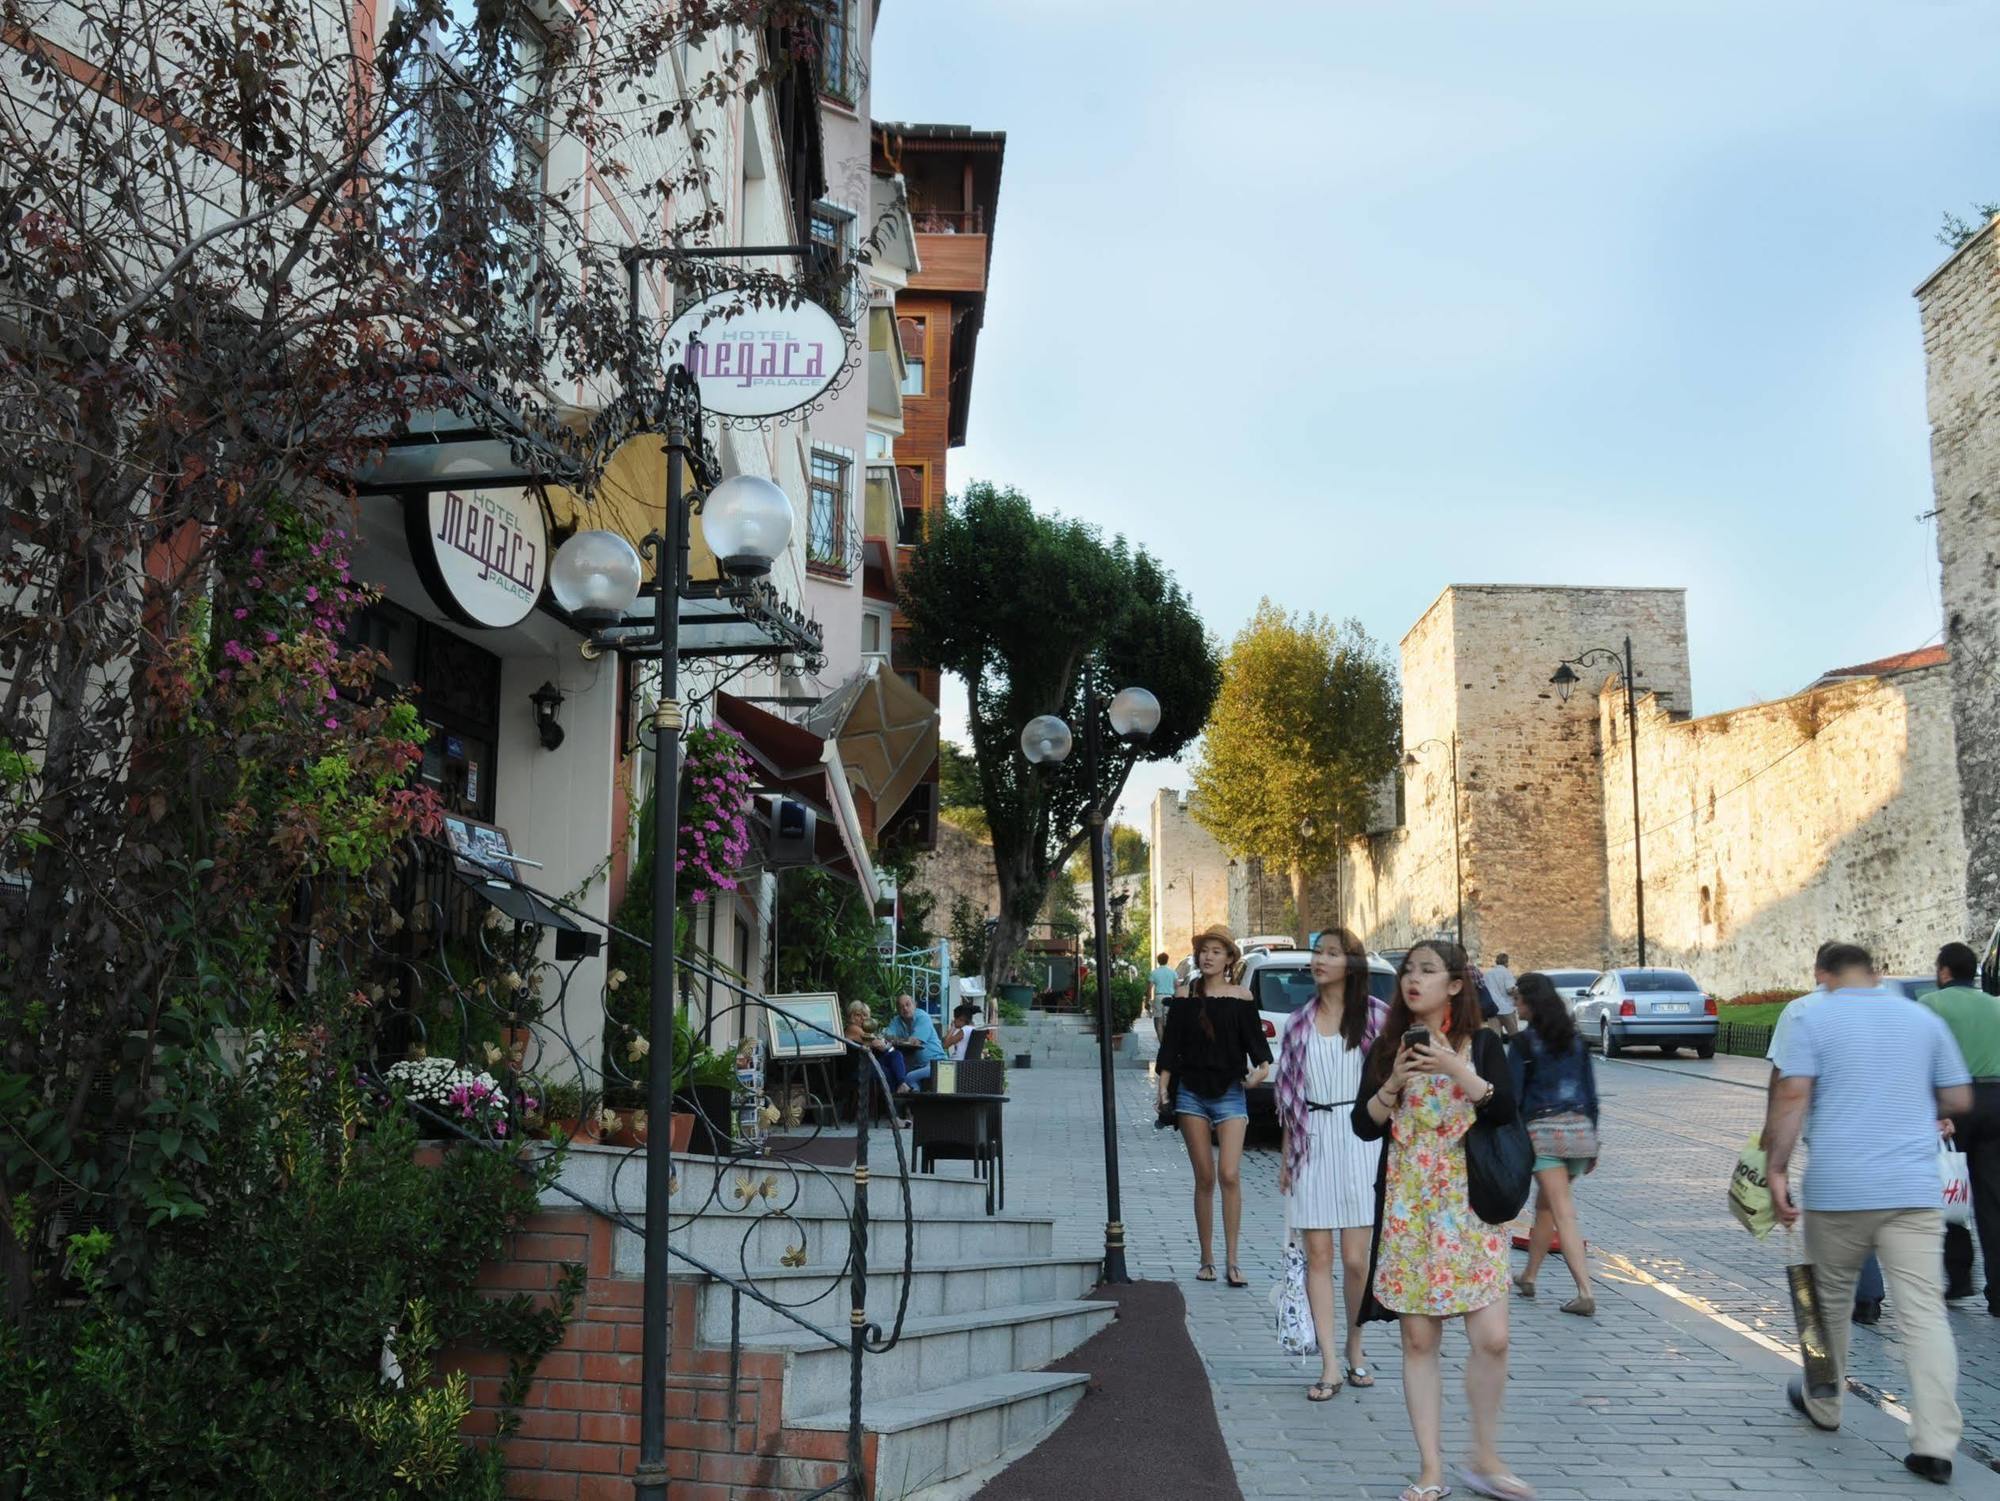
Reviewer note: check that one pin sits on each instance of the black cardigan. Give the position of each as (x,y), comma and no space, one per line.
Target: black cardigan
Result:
(1489,1059)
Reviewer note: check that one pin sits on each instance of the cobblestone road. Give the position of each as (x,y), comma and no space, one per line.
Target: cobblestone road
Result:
(1674,1390)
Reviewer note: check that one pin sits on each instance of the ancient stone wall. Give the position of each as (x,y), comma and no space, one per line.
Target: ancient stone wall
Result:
(960,867)
(1767,830)
(1190,875)
(1960,308)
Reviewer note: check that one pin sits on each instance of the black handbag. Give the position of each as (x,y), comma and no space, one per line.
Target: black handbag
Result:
(1499,1168)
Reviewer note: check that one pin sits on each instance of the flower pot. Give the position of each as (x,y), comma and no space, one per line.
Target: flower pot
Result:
(683,1129)
(581,1130)
(631,1129)
(514,1041)
(708,1106)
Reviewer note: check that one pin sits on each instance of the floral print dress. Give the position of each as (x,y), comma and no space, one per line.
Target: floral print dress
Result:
(1436,1257)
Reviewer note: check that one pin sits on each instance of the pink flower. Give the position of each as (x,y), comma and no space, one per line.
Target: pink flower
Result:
(312,594)
(332,723)
(240,613)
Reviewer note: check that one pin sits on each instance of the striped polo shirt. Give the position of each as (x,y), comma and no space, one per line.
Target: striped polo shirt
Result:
(1877,1060)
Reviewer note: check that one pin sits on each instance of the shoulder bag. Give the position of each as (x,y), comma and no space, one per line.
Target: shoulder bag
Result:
(1499,1163)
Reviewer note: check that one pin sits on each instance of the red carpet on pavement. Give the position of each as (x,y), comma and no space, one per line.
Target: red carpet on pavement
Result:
(1146,1427)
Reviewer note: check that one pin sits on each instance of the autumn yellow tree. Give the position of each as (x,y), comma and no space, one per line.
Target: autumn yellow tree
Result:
(1308,722)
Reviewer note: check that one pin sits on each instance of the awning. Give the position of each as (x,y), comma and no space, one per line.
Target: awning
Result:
(631,500)
(887,733)
(791,760)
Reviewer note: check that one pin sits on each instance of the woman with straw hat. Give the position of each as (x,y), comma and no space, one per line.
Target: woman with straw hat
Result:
(1214,1049)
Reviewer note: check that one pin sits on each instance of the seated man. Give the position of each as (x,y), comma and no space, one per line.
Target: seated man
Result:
(916,1035)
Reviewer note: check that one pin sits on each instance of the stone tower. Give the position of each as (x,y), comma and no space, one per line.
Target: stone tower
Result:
(1530,767)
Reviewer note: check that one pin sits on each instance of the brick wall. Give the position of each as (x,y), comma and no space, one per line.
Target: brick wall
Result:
(579,1433)
(1960,310)
(1770,829)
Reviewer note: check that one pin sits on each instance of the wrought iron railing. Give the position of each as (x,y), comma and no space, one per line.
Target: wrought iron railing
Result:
(481,968)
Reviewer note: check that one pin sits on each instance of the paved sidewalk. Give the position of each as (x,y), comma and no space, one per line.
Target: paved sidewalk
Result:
(1674,1390)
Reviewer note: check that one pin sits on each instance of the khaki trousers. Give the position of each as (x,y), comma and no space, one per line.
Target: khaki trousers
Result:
(1906,1242)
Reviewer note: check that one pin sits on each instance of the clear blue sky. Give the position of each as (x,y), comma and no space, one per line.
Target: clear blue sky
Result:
(1343,302)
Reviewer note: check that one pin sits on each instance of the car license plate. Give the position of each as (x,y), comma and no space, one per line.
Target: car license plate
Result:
(1670,1008)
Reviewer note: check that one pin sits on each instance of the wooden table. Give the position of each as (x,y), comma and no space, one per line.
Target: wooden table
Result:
(961,1127)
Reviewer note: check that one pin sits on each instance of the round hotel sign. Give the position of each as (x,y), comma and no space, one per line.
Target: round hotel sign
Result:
(483,554)
(757,362)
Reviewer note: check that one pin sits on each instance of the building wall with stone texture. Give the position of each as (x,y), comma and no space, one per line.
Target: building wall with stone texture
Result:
(1770,829)
(1960,310)
(960,867)
(1189,874)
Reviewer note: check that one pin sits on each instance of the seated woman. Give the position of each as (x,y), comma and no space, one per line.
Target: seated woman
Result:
(861,1029)
(964,1022)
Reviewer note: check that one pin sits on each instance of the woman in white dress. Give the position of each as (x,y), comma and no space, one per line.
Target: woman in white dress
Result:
(1326,1170)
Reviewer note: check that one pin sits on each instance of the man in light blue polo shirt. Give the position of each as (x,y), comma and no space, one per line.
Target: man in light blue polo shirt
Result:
(917,1035)
(1867,1072)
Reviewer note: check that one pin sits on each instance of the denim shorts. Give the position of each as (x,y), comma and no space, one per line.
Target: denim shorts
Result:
(1229,1106)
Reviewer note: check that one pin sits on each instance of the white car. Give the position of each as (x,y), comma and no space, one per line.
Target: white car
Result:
(1265,942)
(1280,981)
(1570,984)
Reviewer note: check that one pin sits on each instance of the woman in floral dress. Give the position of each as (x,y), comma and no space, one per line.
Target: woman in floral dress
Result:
(1435,1258)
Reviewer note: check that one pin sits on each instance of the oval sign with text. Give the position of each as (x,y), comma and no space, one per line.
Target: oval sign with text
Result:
(757,362)
(483,554)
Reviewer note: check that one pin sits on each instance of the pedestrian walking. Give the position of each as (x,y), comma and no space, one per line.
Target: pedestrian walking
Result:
(1501,986)
(1868,1288)
(1326,1170)
(1973,1018)
(1166,982)
(1555,1089)
(1866,1072)
(1213,1051)
(1432,1073)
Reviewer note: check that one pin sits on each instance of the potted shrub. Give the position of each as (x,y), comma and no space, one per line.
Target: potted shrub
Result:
(571,1109)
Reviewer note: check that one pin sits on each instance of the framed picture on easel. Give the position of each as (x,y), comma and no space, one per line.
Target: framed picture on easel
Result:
(808,1026)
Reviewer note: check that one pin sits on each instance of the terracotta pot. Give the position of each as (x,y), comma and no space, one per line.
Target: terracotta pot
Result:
(631,1129)
(576,1130)
(515,1040)
(682,1132)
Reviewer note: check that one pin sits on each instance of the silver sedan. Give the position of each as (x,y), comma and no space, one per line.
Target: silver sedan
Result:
(1652,1008)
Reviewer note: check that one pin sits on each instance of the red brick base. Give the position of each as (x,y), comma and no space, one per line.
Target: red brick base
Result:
(579,1434)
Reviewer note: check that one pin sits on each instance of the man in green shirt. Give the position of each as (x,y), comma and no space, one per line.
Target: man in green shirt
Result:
(1973,1018)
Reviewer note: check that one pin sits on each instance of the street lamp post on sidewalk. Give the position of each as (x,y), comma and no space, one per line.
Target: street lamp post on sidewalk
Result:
(1457,850)
(1046,741)
(1565,680)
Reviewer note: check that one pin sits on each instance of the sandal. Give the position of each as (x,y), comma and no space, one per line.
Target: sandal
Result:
(1524,1287)
(1322,1391)
(1205,1272)
(1236,1277)
(1500,1487)
(1358,1377)
(1424,1493)
(1582,1305)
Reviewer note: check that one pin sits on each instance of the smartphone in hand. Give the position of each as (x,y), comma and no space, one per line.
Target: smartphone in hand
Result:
(1417,1037)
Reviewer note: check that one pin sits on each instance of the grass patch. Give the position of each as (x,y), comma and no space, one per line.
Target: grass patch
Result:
(1758,1014)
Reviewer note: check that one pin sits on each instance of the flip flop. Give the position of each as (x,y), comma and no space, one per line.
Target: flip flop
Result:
(1358,1377)
(1322,1391)
(1501,1487)
(1236,1277)
(1205,1272)
(1424,1493)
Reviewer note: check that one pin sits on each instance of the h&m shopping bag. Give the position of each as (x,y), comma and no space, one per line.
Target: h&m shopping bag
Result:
(1750,1190)
(1957,1180)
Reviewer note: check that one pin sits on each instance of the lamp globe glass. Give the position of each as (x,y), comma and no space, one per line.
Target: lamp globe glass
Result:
(1046,740)
(596,576)
(747,522)
(1135,713)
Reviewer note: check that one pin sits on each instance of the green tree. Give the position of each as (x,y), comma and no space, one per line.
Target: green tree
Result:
(1018,605)
(1130,853)
(1308,722)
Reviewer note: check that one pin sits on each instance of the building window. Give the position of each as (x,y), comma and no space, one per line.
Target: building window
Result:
(826,517)
(874,632)
(836,70)
(880,449)
(456,686)
(916,348)
(913,378)
(833,237)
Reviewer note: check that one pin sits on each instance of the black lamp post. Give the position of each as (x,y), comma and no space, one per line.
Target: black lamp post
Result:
(596,576)
(1565,680)
(1457,853)
(1046,741)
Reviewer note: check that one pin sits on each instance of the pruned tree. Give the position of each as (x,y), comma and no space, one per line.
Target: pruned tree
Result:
(1308,723)
(242,245)
(1019,604)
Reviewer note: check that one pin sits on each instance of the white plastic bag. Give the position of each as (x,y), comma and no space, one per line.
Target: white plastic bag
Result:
(1296,1335)
(1957,1179)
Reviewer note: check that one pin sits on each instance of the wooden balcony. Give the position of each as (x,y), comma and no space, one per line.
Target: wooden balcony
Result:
(951,263)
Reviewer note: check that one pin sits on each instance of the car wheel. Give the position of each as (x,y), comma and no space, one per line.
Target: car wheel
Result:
(1607,1044)
(1704,1050)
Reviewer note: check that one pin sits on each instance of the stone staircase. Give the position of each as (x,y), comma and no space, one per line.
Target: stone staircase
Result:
(1061,1039)
(961,1392)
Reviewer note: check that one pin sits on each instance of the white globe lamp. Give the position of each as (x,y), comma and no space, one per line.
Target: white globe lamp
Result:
(596,577)
(1135,714)
(747,522)
(1046,740)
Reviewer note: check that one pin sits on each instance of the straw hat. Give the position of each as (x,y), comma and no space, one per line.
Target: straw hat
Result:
(1221,935)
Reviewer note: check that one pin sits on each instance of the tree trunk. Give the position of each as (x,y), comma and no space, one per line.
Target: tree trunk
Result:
(1302,927)
(1020,897)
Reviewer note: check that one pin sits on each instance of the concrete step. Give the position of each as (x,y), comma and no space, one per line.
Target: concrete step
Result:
(932,1445)
(934,1351)
(820,1293)
(614,1179)
(752,1243)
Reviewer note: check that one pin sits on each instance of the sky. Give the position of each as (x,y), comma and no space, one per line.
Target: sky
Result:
(1343,302)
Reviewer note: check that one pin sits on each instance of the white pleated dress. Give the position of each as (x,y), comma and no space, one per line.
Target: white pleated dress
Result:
(1335,1188)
